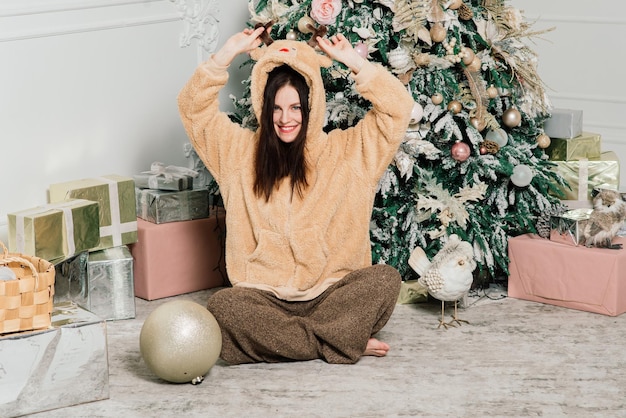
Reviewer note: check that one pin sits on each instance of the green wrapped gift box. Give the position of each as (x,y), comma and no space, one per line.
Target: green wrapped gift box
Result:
(116,196)
(585,145)
(55,230)
(586,174)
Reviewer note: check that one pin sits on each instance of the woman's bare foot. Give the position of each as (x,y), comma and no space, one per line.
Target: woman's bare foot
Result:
(376,348)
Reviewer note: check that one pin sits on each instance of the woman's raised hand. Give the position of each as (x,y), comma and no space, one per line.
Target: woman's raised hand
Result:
(340,49)
(239,43)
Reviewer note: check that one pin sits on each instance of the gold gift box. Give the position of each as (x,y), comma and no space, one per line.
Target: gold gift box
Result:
(55,230)
(585,175)
(586,145)
(116,196)
(568,228)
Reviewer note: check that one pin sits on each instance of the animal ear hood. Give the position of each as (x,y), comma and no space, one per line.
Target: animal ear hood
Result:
(302,58)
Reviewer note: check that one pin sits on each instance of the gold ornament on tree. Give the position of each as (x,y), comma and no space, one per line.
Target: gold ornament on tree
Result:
(468,55)
(437,32)
(436,98)
(492,92)
(306,25)
(478,123)
(455,106)
(543,141)
(511,117)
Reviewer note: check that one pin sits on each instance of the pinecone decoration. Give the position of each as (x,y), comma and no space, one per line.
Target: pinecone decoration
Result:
(465,13)
(543,221)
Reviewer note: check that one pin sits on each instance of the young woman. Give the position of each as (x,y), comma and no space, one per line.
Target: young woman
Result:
(298,202)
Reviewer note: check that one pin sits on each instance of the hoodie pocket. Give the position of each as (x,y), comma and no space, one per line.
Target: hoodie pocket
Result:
(311,257)
(272,261)
(277,262)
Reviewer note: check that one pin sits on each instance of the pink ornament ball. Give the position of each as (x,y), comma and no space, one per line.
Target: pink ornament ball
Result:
(361,49)
(460,151)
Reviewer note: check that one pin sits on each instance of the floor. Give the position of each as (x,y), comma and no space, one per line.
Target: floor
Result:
(515,358)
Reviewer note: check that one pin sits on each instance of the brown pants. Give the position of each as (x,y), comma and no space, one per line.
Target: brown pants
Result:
(335,327)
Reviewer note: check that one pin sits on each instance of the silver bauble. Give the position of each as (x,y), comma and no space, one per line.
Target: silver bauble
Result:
(522,175)
(180,341)
(499,136)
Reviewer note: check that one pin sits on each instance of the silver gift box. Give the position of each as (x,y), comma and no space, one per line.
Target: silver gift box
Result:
(57,367)
(564,123)
(111,283)
(568,228)
(70,280)
(159,206)
(151,181)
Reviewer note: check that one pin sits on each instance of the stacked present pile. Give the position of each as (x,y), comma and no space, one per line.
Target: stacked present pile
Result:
(84,231)
(579,158)
(82,234)
(101,241)
(180,244)
(557,267)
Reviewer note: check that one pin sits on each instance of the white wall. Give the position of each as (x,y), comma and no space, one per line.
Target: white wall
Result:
(582,63)
(88,87)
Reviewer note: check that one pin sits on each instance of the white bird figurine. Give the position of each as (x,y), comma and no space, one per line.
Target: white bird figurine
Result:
(449,276)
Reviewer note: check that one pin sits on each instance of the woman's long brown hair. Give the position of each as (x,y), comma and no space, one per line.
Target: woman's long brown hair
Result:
(275,159)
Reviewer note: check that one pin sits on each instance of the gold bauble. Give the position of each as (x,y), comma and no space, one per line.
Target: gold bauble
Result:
(180,341)
(492,92)
(455,4)
(303,24)
(478,123)
(511,117)
(437,32)
(543,141)
(469,56)
(437,98)
(291,35)
(455,106)
(475,64)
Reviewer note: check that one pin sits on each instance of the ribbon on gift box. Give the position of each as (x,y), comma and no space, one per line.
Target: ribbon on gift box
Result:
(117,228)
(169,173)
(583,178)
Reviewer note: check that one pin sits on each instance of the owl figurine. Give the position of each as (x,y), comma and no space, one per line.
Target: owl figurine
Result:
(449,276)
(607,217)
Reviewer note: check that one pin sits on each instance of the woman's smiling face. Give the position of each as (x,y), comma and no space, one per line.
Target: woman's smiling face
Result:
(287,114)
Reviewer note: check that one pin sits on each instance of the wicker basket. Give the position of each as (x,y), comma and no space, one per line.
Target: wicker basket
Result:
(26,303)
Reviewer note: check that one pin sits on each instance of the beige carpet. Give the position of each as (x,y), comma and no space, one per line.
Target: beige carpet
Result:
(516,358)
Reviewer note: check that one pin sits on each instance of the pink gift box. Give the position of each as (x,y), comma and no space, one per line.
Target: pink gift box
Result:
(178,257)
(587,279)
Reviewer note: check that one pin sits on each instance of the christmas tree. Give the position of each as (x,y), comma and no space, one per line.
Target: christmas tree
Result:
(473,160)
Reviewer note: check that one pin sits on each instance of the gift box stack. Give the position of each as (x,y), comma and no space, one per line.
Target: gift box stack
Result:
(560,269)
(180,241)
(578,157)
(84,231)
